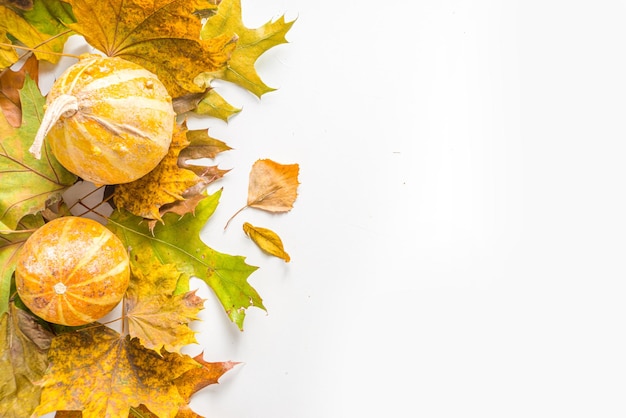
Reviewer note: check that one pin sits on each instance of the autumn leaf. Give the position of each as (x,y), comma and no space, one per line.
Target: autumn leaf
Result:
(102,373)
(28,184)
(165,184)
(170,181)
(267,240)
(251,44)
(157,316)
(162,36)
(213,104)
(201,145)
(10,84)
(190,383)
(177,241)
(40,28)
(24,345)
(272,187)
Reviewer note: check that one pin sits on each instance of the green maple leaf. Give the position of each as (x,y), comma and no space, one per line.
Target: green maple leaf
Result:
(104,374)
(177,241)
(23,360)
(27,185)
(251,44)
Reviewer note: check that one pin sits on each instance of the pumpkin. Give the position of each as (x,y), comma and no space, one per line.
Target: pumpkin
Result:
(107,120)
(72,271)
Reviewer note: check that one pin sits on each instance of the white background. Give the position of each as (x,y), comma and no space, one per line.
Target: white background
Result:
(458,240)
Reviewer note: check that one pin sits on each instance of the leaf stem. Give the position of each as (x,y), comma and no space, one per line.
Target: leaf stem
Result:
(231,218)
(31,50)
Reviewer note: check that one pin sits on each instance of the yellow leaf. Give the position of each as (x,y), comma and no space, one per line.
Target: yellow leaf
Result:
(156,316)
(267,240)
(103,374)
(212,104)
(251,44)
(162,36)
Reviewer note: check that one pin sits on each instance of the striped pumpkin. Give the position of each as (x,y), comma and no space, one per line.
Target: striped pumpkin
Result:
(72,271)
(107,120)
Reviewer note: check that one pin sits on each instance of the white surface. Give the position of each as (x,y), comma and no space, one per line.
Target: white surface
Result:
(458,242)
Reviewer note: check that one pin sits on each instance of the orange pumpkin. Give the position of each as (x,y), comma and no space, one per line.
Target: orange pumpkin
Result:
(72,271)
(107,120)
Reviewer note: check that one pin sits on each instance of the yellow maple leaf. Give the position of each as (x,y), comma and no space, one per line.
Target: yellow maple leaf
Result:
(104,374)
(161,35)
(156,316)
(251,44)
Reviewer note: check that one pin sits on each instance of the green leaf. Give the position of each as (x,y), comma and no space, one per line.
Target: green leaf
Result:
(212,104)
(27,185)
(252,43)
(40,28)
(177,241)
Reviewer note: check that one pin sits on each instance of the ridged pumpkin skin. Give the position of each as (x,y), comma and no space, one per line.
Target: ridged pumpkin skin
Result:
(124,123)
(72,271)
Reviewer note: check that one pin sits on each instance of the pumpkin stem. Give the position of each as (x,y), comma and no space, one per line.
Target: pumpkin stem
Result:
(63,106)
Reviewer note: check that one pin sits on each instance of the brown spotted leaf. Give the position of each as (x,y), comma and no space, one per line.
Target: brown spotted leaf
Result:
(103,374)
(156,316)
(267,240)
(272,186)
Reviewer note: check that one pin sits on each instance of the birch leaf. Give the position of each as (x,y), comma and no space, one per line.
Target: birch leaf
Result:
(272,186)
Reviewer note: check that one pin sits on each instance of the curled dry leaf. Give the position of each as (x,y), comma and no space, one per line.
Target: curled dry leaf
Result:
(267,240)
